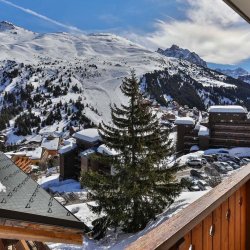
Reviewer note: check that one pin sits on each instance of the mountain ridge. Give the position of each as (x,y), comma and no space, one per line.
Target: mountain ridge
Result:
(71,79)
(185,54)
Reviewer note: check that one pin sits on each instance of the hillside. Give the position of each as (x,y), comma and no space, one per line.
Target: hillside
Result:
(195,86)
(49,82)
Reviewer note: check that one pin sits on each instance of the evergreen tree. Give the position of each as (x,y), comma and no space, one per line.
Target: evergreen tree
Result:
(142,185)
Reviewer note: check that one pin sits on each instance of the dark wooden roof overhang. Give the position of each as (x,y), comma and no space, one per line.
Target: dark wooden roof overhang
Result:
(242,7)
(28,212)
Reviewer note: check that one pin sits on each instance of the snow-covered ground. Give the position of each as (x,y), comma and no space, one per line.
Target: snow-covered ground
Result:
(120,240)
(52,182)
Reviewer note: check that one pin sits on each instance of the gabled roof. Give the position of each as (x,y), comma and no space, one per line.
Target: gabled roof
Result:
(22,199)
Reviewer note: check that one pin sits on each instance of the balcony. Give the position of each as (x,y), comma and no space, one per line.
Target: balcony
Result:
(218,220)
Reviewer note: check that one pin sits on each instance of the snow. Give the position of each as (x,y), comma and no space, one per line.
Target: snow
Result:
(50,144)
(32,153)
(120,240)
(203,131)
(52,182)
(35,154)
(89,135)
(2,188)
(82,212)
(227,109)
(69,145)
(184,121)
(103,149)
(194,148)
(87,152)
(235,152)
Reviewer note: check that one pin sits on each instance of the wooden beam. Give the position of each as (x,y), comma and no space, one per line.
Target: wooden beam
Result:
(22,245)
(8,232)
(1,244)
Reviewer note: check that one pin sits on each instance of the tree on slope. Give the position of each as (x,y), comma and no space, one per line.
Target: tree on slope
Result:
(141,186)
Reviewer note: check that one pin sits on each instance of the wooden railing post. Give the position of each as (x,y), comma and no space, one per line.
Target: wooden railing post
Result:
(248,215)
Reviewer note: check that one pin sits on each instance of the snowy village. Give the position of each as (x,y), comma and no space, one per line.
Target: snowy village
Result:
(124,139)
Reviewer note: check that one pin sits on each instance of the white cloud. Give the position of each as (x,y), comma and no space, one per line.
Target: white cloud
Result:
(211,29)
(33,13)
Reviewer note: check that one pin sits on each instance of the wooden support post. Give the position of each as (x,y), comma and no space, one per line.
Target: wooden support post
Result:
(248,215)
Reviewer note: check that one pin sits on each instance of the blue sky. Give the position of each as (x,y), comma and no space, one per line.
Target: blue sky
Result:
(209,28)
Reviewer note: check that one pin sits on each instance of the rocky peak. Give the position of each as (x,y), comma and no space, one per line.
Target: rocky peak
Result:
(185,54)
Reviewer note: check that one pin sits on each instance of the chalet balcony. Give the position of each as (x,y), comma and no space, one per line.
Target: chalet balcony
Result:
(218,220)
(231,127)
(226,142)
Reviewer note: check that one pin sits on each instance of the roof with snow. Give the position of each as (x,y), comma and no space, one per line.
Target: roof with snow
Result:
(227,109)
(50,144)
(89,135)
(184,121)
(103,149)
(203,131)
(32,153)
(68,146)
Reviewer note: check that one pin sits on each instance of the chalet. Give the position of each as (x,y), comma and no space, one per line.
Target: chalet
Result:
(28,213)
(27,156)
(227,126)
(87,138)
(51,145)
(70,153)
(89,159)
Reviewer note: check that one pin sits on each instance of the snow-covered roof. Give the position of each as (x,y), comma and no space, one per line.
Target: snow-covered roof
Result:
(203,131)
(227,109)
(69,145)
(33,154)
(36,138)
(89,135)
(103,149)
(50,144)
(184,121)
(87,152)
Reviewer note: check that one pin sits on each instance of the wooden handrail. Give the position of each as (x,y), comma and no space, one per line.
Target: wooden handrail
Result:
(171,231)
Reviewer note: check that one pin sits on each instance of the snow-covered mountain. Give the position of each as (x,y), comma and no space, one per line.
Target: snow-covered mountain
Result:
(235,73)
(238,73)
(51,81)
(185,54)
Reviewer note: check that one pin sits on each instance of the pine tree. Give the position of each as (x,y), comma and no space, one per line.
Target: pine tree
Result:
(142,185)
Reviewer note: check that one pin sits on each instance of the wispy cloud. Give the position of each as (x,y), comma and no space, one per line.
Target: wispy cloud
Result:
(50,20)
(210,28)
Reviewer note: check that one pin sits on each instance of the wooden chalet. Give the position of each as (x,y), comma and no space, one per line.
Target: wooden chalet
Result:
(51,145)
(29,215)
(70,155)
(28,156)
(228,126)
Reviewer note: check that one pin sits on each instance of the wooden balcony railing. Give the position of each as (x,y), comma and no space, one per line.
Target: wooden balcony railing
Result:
(218,220)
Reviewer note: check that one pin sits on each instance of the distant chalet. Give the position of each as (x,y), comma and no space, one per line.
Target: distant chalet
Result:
(228,126)
(27,212)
